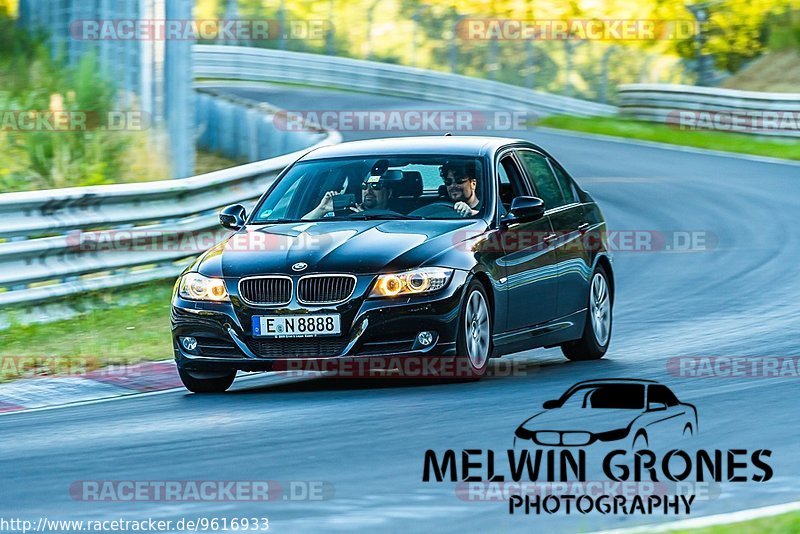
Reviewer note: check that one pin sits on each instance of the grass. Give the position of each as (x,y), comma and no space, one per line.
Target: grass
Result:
(122,326)
(729,142)
(210,161)
(769,525)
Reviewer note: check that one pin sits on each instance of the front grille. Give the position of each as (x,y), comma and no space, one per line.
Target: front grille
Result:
(325,289)
(217,348)
(554,438)
(312,347)
(266,290)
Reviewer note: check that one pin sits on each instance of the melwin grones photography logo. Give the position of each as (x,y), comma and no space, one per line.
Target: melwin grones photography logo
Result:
(623,429)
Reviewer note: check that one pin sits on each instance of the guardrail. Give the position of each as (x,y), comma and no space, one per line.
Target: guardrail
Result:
(68,241)
(225,63)
(244,129)
(753,112)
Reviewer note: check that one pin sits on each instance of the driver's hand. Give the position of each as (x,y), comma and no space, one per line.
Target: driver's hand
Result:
(326,204)
(358,208)
(463,209)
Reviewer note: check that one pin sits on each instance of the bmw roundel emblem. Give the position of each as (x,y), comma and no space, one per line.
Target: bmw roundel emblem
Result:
(299,266)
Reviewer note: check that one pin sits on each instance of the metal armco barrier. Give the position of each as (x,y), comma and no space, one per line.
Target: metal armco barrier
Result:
(774,114)
(225,63)
(44,253)
(245,130)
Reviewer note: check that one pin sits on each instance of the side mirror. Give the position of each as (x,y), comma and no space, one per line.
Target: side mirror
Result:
(233,217)
(656,406)
(549,405)
(525,209)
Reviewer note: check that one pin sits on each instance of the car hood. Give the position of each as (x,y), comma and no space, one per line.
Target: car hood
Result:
(358,247)
(581,419)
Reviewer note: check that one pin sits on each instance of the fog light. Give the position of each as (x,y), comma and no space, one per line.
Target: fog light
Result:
(425,338)
(189,343)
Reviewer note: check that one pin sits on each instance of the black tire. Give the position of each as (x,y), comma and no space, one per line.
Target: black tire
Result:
(588,347)
(472,365)
(213,384)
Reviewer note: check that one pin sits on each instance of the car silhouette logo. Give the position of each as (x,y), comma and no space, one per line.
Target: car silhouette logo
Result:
(641,412)
(299,266)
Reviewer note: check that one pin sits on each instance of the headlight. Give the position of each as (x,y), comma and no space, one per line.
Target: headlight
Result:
(414,282)
(195,286)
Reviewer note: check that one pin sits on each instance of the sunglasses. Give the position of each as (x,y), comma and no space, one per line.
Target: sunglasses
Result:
(449,181)
(375,186)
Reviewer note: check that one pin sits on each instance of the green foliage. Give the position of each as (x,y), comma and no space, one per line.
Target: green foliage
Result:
(34,81)
(648,131)
(783,30)
(424,33)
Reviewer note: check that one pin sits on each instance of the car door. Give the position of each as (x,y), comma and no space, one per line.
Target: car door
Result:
(529,257)
(566,215)
(666,416)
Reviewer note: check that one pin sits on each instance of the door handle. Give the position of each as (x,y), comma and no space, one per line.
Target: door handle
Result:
(583,228)
(548,238)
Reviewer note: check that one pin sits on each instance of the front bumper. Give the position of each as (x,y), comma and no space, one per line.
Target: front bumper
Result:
(371,328)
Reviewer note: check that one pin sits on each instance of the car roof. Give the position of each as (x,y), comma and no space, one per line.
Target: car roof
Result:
(468,145)
(641,381)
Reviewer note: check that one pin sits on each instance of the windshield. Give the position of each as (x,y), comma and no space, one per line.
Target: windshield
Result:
(612,396)
(378,187)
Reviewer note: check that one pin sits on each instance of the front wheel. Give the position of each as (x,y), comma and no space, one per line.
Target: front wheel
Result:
(206,382)
(596,337)
(474,343)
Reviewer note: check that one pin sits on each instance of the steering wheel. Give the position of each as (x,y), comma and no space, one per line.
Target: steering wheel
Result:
(436,209)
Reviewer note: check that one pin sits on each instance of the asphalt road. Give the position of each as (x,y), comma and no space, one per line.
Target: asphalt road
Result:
(367,438)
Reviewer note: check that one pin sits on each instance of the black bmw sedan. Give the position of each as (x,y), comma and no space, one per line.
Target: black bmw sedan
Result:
(461,248)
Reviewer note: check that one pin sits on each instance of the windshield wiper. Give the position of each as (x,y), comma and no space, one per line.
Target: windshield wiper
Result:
(382,216)
(277,221)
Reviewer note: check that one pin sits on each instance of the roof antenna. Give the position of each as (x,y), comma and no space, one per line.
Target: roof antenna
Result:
(448,134)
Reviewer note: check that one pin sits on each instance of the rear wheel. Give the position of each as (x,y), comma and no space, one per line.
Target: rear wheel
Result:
(206,382)
(596,337)
(474,343)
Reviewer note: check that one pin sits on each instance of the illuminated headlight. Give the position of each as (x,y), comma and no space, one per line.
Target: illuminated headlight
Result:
(414,282)
(195,286)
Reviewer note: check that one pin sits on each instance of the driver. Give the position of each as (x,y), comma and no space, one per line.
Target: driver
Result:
(375,192)
(461,182)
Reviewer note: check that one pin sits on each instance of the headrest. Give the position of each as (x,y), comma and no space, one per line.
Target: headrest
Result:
(409,186)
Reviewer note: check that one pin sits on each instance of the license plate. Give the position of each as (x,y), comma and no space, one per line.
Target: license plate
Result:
(296,325)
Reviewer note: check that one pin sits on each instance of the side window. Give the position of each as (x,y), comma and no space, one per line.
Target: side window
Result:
(544,181)
(565,182)
(510,182)
(662,394)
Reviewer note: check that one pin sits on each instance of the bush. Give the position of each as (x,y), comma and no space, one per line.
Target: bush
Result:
(31,79)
